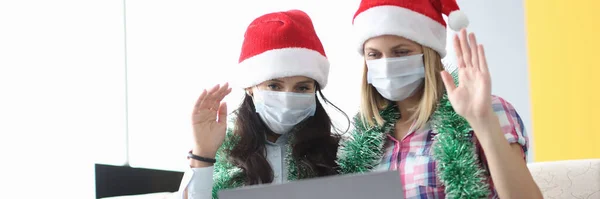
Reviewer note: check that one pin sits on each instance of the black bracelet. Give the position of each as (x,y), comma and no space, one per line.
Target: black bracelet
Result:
(200,158)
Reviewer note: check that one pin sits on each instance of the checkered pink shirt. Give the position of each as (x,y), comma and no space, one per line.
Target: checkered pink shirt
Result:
(413,154)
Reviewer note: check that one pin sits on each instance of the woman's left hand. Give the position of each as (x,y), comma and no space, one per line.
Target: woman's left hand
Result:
(472,97)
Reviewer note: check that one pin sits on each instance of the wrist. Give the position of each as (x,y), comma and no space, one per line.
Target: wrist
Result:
(199,151)
(482,120)
(486,127)
(202,153)
(199,164)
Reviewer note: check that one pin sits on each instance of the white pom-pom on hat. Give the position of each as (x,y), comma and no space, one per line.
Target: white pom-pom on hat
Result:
(457,20)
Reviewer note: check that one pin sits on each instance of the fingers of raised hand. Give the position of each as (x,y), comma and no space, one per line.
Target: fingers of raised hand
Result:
(210,100)
(473,48)
(200,99)
(458,51)
(214,100)
(464,48)
(482,60)
(222,112)
(219,96)
(469,53)
(224,91)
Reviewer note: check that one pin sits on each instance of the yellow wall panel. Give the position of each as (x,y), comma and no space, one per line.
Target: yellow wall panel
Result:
(563,38)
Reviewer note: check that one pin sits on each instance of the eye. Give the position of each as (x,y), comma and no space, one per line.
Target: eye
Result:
(402,52)
(372,54)
(304,88)
(273,86)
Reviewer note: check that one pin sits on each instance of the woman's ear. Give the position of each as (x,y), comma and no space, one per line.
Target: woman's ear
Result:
(249,91)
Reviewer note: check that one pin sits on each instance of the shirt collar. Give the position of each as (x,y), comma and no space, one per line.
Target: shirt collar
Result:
(282,140)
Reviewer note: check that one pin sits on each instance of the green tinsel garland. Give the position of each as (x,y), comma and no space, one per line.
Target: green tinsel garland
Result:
(458,167)
(458,164)
(228,176)
(364,150)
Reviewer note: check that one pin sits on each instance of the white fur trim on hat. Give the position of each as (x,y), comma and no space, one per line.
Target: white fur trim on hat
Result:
(284,62)
(394,20)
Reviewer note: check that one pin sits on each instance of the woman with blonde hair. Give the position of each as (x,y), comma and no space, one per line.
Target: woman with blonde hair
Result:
(448,136)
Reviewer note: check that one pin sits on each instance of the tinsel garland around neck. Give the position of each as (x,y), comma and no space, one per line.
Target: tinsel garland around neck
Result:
(228,176)
(458,166)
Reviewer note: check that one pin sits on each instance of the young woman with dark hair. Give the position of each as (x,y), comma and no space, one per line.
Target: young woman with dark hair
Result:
(281,131)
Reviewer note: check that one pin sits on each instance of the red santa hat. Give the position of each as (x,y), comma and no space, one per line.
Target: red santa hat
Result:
(418,20)
(281,44)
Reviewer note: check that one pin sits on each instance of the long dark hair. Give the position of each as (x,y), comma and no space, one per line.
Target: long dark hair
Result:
(314,145)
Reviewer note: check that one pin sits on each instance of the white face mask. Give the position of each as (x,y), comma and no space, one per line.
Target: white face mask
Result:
(281,111)
(396,78)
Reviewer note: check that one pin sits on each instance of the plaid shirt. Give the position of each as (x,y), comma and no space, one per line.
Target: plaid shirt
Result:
(413,154)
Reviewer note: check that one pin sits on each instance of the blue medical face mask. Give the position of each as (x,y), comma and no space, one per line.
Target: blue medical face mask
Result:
(396,78)
(281,111)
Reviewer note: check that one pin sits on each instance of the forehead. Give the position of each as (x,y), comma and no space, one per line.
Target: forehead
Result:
(294,79)
(388,41)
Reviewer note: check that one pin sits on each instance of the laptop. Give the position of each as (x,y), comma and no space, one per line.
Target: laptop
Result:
(384,184)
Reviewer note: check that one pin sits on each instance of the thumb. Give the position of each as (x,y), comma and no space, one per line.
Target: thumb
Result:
(448,81)
(222,117)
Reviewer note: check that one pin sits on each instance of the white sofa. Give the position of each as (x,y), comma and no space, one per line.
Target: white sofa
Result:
(568,179)
(577,179)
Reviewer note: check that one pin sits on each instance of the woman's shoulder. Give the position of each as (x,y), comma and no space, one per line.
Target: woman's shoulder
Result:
(506,112)
(510,121)
(499,102)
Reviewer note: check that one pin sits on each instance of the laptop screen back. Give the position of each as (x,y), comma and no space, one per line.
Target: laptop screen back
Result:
(359,186)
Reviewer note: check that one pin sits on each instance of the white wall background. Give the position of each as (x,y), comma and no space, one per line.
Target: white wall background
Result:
(66,100)
(61,95)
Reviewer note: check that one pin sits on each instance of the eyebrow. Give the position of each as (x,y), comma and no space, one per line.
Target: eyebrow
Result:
(306,82)
(302,82)
(401,45)
(396,46)
(276,80)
